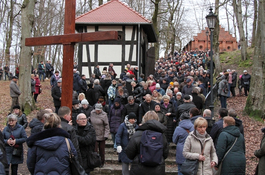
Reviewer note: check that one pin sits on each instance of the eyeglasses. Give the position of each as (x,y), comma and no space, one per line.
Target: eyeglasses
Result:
(82,119)
(11,120)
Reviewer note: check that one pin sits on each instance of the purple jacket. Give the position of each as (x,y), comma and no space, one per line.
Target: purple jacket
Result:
(115,118)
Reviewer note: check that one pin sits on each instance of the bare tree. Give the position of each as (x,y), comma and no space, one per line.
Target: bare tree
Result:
(254,25)
(27,20)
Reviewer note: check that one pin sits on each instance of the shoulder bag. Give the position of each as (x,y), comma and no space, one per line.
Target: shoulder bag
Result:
(76,168)
(218,172)
(190,167)
(94,160)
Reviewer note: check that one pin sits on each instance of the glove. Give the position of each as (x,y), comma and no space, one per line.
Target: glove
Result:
(119,149)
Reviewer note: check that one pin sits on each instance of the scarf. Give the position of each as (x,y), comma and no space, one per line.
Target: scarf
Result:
(130,128)
(201,137)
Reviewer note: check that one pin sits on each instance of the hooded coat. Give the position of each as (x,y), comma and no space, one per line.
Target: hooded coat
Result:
(100,123)
(49,152)
(193,148)
(36,126)
(180,134)
(261,155)
(235,161)
(133,150)
(115,116)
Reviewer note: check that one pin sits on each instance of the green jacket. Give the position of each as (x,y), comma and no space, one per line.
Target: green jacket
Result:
(235,161)
(261,155)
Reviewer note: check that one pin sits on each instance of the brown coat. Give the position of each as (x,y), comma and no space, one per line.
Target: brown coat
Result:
(192,150)
(100,123)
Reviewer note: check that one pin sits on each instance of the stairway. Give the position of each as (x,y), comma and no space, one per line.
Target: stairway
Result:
(113,166)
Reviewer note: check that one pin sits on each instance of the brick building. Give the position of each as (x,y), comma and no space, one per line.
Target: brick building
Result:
(226,41)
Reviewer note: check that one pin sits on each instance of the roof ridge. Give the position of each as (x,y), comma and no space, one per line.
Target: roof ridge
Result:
(122,3)
(90,11)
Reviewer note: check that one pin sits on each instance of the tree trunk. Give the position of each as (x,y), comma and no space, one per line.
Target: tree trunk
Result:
(27,19)
(155,24)
(216,54)
(254,25)
(238,13)
(100,2)
(255,105)
(9,34)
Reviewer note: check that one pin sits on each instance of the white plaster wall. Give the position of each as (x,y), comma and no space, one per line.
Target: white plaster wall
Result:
(127,53)
(92,52)
(110,28)
(109,53)
(85,71)
(128,33)
(84,53)
(90,29)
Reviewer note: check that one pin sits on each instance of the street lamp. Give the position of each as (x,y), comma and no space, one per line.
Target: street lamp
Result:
(207,34)
(211,19)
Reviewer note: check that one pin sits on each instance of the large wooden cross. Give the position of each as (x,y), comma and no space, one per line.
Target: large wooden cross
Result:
(68,40)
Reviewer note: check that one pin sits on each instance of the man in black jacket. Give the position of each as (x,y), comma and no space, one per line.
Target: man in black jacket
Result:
(197,100)
(131,107)
(83,84)
(185,107)
(56,95)
(97,72)
(146,106)
(66,123)
(232,113)
(86,137)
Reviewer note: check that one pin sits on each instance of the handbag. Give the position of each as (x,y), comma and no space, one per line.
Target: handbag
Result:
(190,167)
(76,168)
(40,90)
(17,152)
(218,172)
(94,160)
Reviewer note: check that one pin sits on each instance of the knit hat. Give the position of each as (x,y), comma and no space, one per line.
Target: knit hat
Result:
(184,115)
(98,106)
(16,107)
(157,85)
(179,93)
(84,102)
(131,115)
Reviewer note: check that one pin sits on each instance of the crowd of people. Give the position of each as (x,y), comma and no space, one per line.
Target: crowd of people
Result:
(170,103)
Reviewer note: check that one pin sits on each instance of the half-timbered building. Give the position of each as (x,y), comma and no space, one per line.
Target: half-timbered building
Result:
(134,31)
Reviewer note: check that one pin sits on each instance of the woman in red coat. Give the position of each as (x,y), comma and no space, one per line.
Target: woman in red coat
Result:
(37,87)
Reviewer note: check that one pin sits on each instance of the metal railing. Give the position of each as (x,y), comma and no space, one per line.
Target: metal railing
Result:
(208,96)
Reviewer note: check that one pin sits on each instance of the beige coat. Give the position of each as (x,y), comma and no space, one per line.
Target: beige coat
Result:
(192,150)
(100,123)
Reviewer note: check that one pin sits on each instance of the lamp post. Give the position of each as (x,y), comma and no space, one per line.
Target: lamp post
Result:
(207,34)
(211,19)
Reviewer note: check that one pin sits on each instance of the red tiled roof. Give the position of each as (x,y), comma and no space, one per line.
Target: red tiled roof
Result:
(113,11)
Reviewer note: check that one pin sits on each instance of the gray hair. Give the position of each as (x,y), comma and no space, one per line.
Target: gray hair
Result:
(130,98)
(207,112)
(79,115)
(96,81)
(169,91)
(11,117)
(165,97)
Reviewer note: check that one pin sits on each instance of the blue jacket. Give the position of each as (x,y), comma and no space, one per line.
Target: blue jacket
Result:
(122,139)
(49,152)
(179,137)
(20,136)
(194,118)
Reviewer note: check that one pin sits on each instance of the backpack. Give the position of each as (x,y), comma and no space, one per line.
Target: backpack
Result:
(225,87)
(151,148)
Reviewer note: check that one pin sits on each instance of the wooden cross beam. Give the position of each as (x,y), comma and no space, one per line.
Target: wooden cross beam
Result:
(68,40)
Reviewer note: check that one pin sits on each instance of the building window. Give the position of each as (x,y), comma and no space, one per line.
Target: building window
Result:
(201,47)
(228,48)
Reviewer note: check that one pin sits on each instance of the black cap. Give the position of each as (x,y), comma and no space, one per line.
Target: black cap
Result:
(131,115)
(186,97)
(14,77)
(16,107)
(75,102)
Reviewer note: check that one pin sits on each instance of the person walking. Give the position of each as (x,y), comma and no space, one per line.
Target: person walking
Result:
(56,95)
(125,132)
(48,153)
(223,91)
(14,137)
(180,134)
(197,141)
(246,81)
(230,149)
(86,137)
(14,92)
(37,87)
(149,122)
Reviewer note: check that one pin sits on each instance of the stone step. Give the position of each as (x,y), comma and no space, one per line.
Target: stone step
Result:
(110,169)
(110,151)
(113,159)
